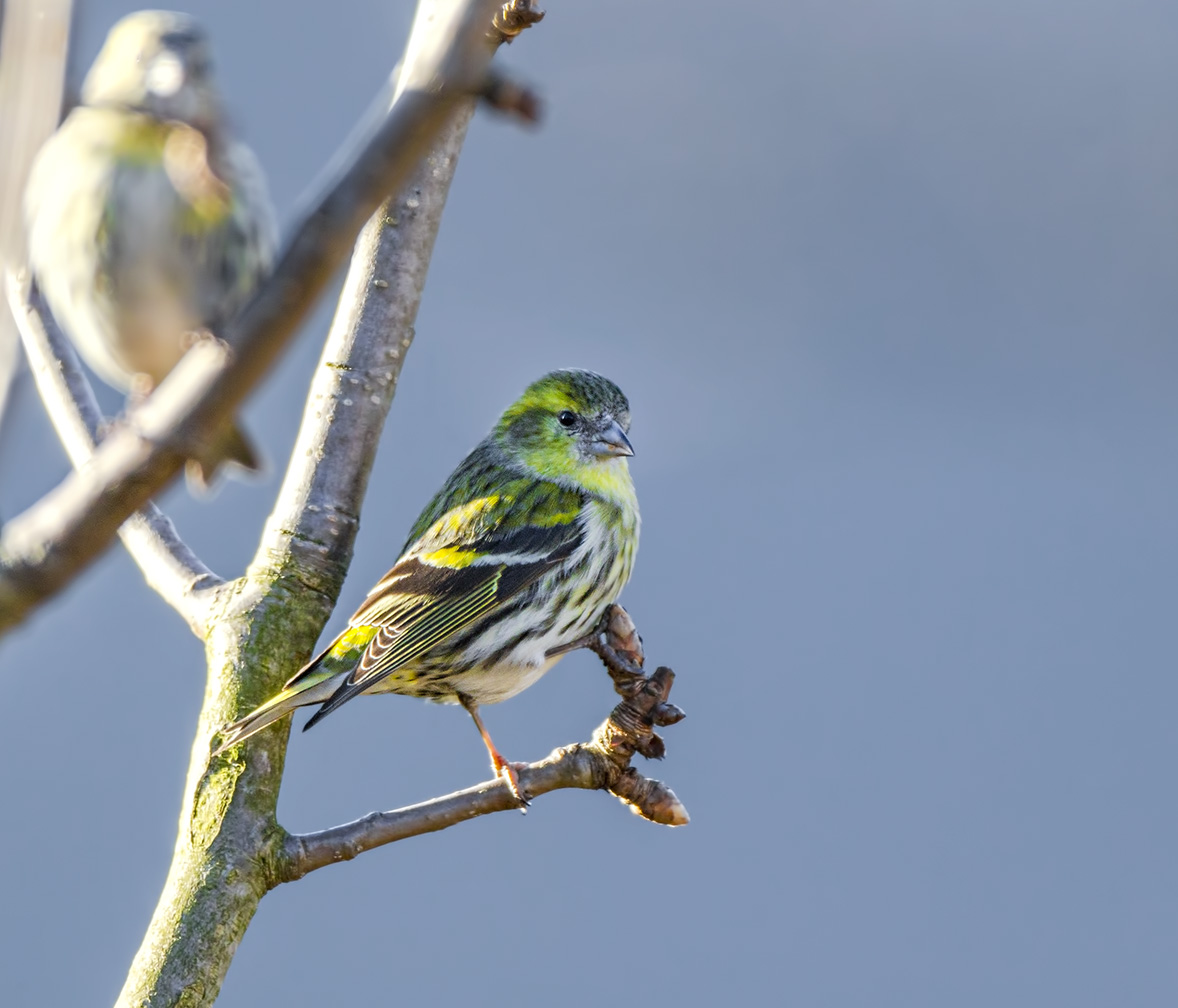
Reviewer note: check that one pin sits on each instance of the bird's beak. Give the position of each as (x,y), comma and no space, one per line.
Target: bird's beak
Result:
(612,442)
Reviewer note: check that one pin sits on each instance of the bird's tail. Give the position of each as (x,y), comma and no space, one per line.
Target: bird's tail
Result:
(230,446)
(306,688)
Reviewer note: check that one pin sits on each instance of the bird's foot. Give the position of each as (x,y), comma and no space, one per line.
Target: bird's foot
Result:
(509,773)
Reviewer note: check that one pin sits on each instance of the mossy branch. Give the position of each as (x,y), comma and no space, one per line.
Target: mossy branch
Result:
(230,849)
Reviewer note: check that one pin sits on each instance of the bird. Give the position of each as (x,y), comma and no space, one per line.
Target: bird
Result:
(510,566)
(149,225)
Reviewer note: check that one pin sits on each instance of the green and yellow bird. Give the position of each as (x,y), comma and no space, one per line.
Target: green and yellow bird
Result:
(148,224)
(516,558)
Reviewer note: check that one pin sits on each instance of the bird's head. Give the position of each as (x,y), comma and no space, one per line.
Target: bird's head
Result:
(156,62)
(570,426)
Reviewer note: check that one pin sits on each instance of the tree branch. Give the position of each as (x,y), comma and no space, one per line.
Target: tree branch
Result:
(168,564)
(577,766)
(266,622)
(44,548)
(315,518)
(601,764)
(313,524)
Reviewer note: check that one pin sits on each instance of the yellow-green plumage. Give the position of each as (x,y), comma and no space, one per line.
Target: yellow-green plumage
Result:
(148,224)
(518,555)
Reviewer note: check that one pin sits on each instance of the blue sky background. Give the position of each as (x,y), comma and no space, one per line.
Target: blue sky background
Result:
(891,288)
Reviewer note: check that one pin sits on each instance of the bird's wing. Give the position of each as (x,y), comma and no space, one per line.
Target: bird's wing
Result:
(469,562)
(240,250)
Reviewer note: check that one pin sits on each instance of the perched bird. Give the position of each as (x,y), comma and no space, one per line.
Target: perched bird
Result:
(515,559)
(148,225)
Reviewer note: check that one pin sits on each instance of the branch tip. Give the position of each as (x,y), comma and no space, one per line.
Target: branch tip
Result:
(603,763)
(512,18)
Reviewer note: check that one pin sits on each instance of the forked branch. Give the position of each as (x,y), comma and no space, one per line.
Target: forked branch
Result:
(267,621)
(44,548)
(168,564)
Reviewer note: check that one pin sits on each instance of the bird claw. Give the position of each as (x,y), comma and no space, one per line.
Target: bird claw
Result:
(509,774)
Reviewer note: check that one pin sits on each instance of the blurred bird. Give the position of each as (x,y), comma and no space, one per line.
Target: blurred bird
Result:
(508,567)
(149,225)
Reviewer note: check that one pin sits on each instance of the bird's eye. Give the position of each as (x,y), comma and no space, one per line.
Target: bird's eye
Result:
(566,418)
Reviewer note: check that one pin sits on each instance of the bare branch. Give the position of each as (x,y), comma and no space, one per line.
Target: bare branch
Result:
(41,550)
(168,564)
(315,518)
(576,766)
(601,764)
(316,515)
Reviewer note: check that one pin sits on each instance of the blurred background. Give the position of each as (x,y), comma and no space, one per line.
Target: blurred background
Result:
(891,287)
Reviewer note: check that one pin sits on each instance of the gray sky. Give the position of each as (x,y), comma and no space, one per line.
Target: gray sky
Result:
(891,288)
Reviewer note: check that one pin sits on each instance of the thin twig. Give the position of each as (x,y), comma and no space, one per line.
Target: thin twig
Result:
(583,765)
(602,764)
(169,565)
(44,548)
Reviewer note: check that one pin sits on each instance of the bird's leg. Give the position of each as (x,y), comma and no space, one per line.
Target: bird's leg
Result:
(508,771)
